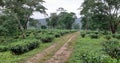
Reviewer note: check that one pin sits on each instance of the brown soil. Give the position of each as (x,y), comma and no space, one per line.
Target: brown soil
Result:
(62,55)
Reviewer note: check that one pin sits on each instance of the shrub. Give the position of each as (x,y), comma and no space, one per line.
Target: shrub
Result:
(94,36)
(2,39)
(92,58)
(50,33)
(57,35)
(3,48)
(117,36)
(82,35)
(113,35)
(16,37)
(92,32)
(96,32)
(112,48)
(38,36)
(62,33)
(23,46)
(35,34)
(88,32)
(47,38)
(106,33)
(7,40)
(108,37)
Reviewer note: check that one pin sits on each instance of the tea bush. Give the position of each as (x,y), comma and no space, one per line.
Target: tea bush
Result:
(94,36)
(38,36)
(3,48)
(62,33)
(108,37)
(82,35)
(113,35)
(23,46)
(47,38)
(57,35)
(17,45)
(112,48)
(117,36)
(96,32)
(92,58)
(106,33)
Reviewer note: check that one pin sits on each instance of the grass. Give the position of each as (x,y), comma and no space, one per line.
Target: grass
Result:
(86,45)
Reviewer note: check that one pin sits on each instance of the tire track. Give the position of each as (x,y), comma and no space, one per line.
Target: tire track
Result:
(62,55)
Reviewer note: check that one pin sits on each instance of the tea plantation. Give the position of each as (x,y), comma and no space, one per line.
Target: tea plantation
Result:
(14,49)
(96,47)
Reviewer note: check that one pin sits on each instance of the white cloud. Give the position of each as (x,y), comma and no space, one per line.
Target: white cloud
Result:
(52,5)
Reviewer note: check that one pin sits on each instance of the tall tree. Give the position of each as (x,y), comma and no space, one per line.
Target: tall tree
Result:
(66,20)
(21,10)
(52,21)
(106,11)
(8,25)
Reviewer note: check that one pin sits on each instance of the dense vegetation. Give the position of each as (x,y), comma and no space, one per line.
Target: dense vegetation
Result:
(33,39)
(101,44)
(101,15)
(36,39)
(91,49)
(64,20)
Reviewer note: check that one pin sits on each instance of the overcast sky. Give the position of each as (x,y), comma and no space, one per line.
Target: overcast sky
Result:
(52,5)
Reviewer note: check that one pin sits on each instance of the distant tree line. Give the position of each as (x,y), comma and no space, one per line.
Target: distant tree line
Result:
(63,20)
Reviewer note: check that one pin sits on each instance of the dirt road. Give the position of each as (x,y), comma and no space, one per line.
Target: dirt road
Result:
(59,52)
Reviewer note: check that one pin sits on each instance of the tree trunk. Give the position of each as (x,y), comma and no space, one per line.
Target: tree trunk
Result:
(20,26)
(26,22)
(25,25)
(113,29)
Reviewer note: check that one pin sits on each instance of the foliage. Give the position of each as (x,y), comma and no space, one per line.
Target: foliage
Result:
(117,36)
(76,26)
(112,48)
(43,27)
(57,35)
(88,50)
(66,20)
(47,38)
(82,35)
(26,45)
(94,36)
(53,20)
(63,20)
(108,37)
(8,25)
(21,11)
(92,58)
(101,14)
(3,48)
(33,22)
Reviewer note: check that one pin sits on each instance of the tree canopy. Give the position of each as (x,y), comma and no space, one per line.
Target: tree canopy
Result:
(103,14)
(63,20)
(21,10)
